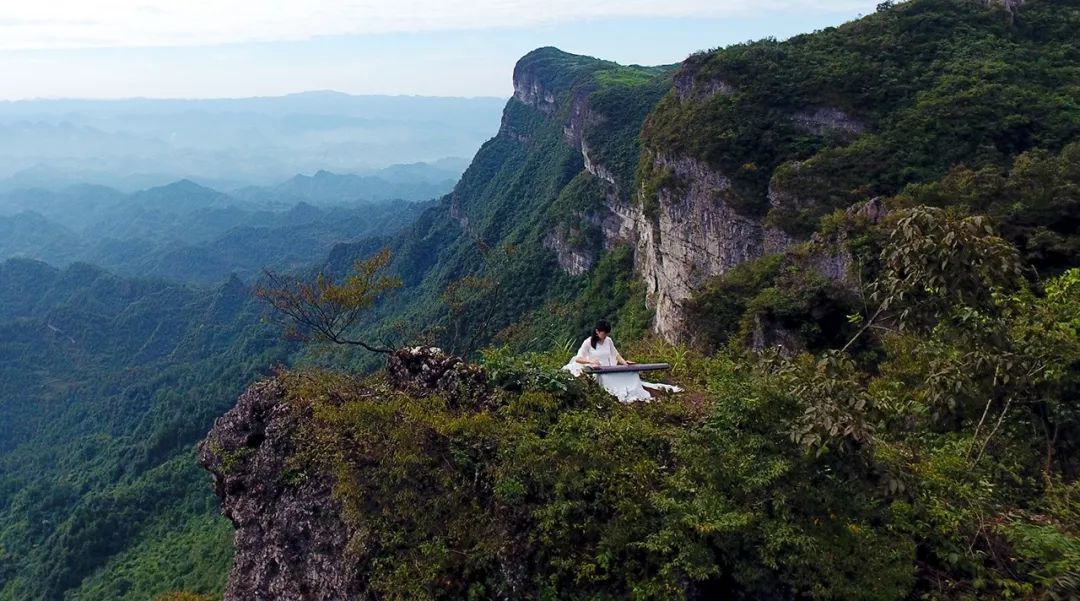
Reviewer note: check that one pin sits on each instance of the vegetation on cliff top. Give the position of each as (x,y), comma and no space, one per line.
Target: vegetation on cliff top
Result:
(946,469)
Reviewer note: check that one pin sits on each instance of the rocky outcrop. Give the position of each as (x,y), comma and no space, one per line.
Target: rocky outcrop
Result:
(289,539)
(529,89)
(831,257)
(1009,5)
(691,230)
(572,260)
(823,120)
(694,235)
(596,169)
(457,213)
(689,86)
(424,369)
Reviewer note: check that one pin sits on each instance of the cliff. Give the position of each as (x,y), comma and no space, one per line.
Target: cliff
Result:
(731,156)
(749,147)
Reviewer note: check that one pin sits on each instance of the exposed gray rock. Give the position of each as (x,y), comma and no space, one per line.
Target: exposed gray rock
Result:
(872,210)
(426,369)
(595,168)
(508,130)
(689,86)
(573,261)
(786,197)
(831,258)
(580,118)
(529,89)
(696,235)
(457,213)
(826,119)
(289,540)
(1009,5)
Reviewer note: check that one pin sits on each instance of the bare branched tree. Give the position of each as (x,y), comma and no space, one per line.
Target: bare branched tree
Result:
(326,310)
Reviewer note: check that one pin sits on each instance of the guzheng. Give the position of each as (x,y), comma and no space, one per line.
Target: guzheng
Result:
(619,369)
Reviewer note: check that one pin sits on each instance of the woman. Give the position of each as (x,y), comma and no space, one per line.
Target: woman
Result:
(599,349)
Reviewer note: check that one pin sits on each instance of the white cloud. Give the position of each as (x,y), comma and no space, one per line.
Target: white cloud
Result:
(57,24)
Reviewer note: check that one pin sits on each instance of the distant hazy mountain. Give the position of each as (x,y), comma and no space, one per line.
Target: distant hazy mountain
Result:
(415,181)
(193,233)
(132,144)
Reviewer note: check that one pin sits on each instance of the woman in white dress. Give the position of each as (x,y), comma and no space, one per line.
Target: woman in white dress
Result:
(599,350)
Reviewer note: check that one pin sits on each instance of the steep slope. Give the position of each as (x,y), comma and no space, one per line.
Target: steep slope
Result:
(105,383)
(757,142)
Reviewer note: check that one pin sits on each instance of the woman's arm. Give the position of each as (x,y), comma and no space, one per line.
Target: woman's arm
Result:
(583,355)
(618,356)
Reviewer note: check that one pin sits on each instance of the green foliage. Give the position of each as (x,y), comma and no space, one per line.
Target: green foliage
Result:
(328,310)
(1034,204)
(100,497)
(774,294)
(931,83)
(560,492)
(923,447)
(1048,547)
(194,556)
(476,269)
(945,469)
(517,372)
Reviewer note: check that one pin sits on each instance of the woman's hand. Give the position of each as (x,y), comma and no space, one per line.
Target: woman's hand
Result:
(595,363)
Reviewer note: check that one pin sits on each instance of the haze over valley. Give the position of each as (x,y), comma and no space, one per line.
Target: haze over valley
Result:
(226,143)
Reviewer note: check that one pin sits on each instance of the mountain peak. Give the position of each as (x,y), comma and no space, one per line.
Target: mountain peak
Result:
(185,185)
(552,70)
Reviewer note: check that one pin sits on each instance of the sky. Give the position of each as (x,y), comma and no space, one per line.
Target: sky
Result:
(241,48)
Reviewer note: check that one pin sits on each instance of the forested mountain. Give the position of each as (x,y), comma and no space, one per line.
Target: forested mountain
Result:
(191,233)
(684,173)
(856,248)
(414,182)
(105,383)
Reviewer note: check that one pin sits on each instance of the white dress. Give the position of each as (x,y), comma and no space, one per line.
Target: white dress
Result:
(604,352)
(627,386)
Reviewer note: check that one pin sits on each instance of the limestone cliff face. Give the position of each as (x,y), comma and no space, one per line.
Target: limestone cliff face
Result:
(689,86)
(685,227)
(693,234)
(529,88)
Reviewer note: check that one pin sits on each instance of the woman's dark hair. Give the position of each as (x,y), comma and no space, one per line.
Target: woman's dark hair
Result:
(601,326)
